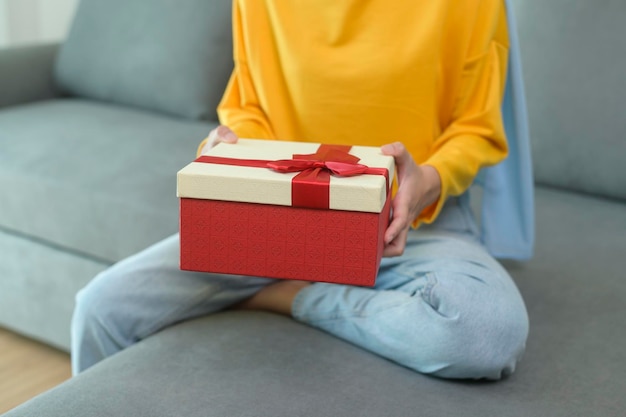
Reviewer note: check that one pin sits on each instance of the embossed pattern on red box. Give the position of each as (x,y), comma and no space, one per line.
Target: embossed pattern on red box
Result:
(281,242)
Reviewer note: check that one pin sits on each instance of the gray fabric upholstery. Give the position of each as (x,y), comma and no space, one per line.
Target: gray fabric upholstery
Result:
(170,56)
(26,74)
(93,178)
(69,170)
(574,58)
(574,290)
(38,282)
(257,364)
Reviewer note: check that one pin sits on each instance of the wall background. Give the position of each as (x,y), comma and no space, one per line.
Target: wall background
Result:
(34,21)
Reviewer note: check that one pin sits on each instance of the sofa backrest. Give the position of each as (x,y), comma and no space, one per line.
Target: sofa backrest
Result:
(172,56)
(574,58)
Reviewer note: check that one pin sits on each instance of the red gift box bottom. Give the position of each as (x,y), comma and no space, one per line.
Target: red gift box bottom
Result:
(343,247)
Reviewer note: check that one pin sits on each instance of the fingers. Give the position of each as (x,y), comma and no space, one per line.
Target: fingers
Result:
(399,221)
(224,134)
(398,229)
(401,156)
(393,149)
(406,201)
(396,247)
(220,134)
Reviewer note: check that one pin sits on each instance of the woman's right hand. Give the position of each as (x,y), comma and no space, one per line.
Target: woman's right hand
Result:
(219,134)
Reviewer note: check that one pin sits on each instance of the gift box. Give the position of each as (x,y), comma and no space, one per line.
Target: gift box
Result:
(288,210)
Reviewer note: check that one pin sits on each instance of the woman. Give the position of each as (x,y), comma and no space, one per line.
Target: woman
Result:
(424,80)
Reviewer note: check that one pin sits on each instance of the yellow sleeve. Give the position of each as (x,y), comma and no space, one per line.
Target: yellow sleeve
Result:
(240,109)
(475,138)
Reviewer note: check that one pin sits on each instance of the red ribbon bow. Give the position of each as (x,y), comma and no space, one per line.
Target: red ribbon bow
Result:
(311,187)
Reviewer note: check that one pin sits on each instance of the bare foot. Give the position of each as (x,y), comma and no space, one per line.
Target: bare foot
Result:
(276,297)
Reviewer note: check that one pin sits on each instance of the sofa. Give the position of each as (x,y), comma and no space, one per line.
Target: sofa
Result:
(92,132)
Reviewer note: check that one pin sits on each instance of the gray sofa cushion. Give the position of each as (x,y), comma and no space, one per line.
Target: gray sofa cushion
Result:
(38,283)
(170,56)
(26,74)
(107,174)
(257,364)
(574,57)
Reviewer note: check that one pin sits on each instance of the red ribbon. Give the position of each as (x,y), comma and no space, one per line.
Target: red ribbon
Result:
(311,187)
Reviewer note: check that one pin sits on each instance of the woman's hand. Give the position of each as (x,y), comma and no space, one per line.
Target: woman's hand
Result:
(219,134)
(418,187)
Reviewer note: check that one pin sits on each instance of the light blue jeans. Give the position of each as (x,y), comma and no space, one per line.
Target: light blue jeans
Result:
(445,307)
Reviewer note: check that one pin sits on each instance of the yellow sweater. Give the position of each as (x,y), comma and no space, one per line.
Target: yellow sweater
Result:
(430,74)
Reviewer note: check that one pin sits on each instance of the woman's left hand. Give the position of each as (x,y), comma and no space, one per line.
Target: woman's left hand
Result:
(418,187)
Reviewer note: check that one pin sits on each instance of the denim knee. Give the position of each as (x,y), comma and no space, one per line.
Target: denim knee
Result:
(469,336)
(97,307)
(90,298)
(98,328)
(490,352)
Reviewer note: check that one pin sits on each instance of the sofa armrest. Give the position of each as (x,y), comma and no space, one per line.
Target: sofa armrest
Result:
(26,74)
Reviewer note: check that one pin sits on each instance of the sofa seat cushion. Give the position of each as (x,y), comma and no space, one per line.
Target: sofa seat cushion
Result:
(92,178)
(163,55)
(574,288)
(258,364)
